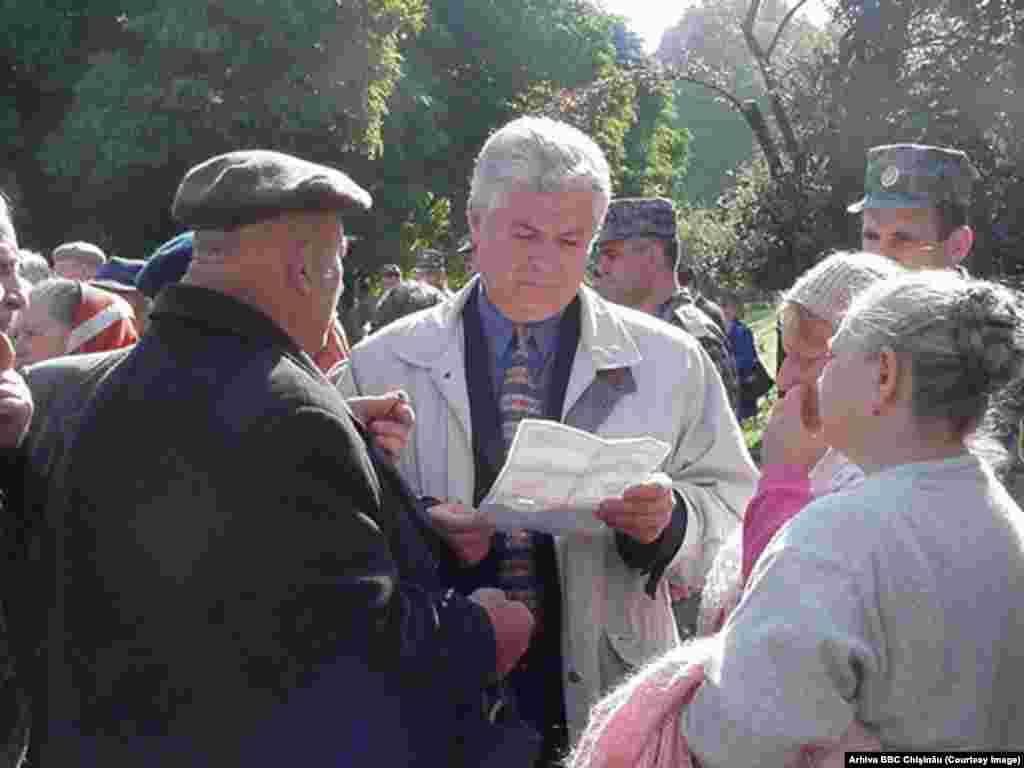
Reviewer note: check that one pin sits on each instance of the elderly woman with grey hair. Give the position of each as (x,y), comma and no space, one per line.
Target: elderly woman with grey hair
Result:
(69,317)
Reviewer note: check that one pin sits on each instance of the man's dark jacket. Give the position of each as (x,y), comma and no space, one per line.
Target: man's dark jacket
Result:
(235,580)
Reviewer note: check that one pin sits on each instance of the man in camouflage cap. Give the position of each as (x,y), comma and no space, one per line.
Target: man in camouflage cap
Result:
(430,269)
(915,205)
(637,262)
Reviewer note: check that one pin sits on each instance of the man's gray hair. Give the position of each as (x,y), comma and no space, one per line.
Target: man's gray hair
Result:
(32,267)
(543,155)
(61,298)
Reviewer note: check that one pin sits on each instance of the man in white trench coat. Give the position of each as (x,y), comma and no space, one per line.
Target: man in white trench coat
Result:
(526,337)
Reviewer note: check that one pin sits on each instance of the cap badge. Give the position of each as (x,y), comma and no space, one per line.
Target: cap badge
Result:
(890,176)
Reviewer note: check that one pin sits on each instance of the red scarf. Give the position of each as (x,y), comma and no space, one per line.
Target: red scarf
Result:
(103,322)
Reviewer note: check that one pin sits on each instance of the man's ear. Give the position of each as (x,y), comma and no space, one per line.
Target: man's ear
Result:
(474,217)
(891,375)
(298,273)
(959,244)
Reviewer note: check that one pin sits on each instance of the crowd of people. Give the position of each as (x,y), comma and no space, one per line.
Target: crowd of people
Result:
(233,537)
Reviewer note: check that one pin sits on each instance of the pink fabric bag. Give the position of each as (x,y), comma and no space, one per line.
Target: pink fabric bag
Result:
(638,725)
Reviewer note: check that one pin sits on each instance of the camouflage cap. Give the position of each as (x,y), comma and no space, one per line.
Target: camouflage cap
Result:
(639,217)
(430,260)
(915,176)
(239,188)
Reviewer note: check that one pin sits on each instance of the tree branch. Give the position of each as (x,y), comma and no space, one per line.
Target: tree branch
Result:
(772,88)
(782,27)
(672,74)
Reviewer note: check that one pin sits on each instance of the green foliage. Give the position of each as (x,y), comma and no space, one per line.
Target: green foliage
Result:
(720,140)
(656,153)
(629,114)
(476,65)
(231,74)
(428,225)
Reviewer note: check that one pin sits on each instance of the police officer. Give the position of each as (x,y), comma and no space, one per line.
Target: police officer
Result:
(915,205)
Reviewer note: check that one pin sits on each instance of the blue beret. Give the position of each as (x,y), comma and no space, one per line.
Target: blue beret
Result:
(168,264)
(119,270)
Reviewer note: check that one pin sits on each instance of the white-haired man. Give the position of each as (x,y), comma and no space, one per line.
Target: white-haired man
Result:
(539,193)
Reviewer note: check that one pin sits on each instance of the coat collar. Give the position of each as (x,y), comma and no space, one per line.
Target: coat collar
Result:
(433,339)
(224,313)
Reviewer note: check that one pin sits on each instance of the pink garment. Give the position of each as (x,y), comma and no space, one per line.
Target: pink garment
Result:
(638,725)
(782,491)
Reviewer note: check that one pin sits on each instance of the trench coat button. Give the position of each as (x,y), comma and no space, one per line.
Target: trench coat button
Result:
(574,676)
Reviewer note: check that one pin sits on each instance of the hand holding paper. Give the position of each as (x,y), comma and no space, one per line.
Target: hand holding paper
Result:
(642,513)
(556,478)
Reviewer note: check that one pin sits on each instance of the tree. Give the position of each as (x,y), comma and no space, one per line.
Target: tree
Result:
(110,102)
(933,71)
(708,44)
(476,65)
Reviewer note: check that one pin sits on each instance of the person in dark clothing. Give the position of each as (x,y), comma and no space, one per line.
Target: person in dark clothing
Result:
(741,339)
(16,411)
(404,299)
(258,588)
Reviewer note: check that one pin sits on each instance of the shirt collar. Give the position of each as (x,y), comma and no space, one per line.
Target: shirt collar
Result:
(498,329)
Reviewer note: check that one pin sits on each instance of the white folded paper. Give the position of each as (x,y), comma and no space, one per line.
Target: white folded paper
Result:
(555,476)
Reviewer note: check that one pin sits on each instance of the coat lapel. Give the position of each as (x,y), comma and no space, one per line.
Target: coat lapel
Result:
(595,405)
(601,374)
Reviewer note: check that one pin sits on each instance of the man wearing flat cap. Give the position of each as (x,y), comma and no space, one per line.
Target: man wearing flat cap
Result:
(431,268)
(260,588)
(915,205)
(78,260)
(637,266)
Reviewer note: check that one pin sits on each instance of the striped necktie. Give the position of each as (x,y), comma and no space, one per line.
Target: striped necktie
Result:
(520,399)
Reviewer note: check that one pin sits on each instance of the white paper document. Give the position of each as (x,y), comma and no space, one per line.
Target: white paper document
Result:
(555,476)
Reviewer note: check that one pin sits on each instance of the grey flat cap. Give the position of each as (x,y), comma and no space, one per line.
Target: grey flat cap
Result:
(240,188)
(81,251)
